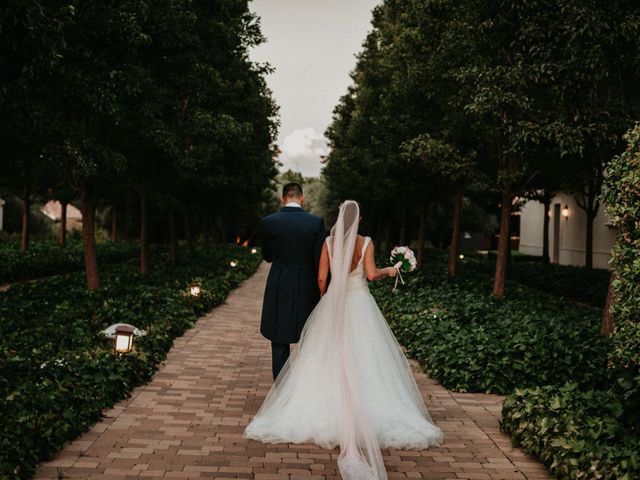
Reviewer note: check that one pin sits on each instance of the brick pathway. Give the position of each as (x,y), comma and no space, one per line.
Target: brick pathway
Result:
(188,421)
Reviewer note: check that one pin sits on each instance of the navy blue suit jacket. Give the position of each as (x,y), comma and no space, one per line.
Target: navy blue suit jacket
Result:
(292,241)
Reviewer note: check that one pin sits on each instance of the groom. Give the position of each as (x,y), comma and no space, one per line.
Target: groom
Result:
(292,240)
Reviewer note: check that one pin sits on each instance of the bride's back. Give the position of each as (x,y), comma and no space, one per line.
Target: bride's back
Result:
(357,253)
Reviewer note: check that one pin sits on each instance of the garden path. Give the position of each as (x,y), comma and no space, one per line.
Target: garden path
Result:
(188,421)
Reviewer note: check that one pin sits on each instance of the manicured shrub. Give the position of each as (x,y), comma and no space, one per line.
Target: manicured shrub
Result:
(595,433)
(579,433)
(588,286)
(469,341)
(58,372)
(46,258)
(622,194)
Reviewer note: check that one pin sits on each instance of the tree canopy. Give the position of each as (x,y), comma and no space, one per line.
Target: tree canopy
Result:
(153,100)
(515,98)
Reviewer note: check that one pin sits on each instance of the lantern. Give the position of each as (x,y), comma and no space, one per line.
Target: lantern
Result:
(194,289)
(124,338)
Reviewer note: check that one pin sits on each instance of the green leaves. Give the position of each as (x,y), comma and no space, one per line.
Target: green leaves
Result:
(131,96)
(469,341)
(563,404)
(57,372)
(49,258)
(622,195)
(577,433)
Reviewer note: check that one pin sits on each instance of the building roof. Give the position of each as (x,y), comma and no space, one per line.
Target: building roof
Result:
(53,210)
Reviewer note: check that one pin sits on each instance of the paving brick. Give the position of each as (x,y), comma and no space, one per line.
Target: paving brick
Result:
(188,421)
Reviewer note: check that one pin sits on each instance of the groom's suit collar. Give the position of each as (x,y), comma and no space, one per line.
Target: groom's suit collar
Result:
(292,209)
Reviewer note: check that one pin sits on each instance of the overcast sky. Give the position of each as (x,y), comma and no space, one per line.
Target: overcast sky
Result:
(312,46)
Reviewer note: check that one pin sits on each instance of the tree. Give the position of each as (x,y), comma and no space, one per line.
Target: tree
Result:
(450,169)
(31,41)
(157,100)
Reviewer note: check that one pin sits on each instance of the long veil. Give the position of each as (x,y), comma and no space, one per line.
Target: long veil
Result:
(360,457)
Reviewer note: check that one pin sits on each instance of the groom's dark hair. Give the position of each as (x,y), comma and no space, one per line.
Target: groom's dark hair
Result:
(292,190)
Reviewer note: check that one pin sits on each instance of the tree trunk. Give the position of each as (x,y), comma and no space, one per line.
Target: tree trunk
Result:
(89,238)
(503,243)
(63,223)
(590,205)
(114,224)
(187,229)
(26,220)
(421,235)
(455,233)
(173,239)
(588,257)
(606,328)
(545,228)
(144,236)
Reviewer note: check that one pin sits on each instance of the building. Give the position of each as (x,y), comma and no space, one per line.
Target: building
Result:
(567,232)
(53,210)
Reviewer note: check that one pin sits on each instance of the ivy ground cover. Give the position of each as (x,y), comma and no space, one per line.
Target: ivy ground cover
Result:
(564,403)
(50,258)
(58,372)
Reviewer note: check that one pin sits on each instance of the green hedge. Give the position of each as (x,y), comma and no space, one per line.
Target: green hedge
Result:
(566,404)
(588,286)
(469,341)
(579,284)
(46,258)
(579,433)
(621,192)
(595,433)
(57,372)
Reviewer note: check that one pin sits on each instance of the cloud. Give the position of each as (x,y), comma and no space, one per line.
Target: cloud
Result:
(301,151)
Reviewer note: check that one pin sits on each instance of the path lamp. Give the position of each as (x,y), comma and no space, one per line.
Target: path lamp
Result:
(194,290)
(122,335)
(461,256)
(254,251)
(233,263)
(124,338)
(565,212)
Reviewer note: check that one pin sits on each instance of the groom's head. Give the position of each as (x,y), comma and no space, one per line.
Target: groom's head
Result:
(292,193)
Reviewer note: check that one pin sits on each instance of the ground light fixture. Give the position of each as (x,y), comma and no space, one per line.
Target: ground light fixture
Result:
(122,335)
(124,338)
(461,256)
(194,290)
(233,263)
(254,251)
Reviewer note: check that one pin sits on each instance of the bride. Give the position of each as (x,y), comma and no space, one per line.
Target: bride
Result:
(349,383)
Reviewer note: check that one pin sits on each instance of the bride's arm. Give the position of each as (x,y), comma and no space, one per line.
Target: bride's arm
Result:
(370,268)
(323,269)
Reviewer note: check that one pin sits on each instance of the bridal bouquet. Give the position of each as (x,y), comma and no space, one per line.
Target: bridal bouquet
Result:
(404,261)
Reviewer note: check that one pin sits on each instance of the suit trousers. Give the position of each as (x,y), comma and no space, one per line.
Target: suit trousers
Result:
(279,355)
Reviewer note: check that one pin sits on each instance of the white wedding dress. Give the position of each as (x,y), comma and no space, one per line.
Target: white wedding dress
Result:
(347,385)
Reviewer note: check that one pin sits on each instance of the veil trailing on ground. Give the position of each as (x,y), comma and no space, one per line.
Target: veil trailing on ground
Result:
(360,456)
(347,383)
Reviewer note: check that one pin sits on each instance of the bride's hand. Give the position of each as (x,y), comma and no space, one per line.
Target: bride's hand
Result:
(391,272)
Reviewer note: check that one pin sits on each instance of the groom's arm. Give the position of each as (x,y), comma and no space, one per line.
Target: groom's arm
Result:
(265,243)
